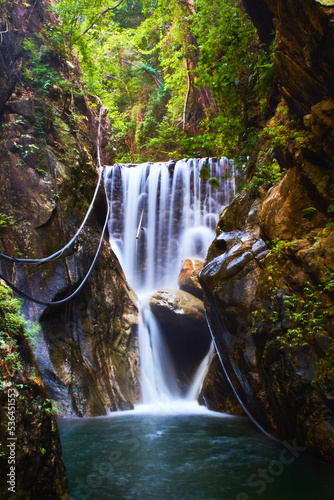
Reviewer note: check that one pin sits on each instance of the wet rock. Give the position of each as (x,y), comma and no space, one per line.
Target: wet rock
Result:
(283,213)
(216,393)
(176,307)
(232,276)
(88,348)
(183,324)
(89,357)
(304,56)
(321,123)
(188,277)
(24,107)
(280,377)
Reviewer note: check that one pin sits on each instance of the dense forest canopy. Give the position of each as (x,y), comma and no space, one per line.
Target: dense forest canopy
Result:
(180,79)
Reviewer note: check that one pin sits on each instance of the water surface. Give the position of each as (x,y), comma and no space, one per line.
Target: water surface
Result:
(185,452)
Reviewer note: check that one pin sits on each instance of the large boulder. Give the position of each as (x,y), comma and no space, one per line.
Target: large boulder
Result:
(272,314)
(188,277)
(183,324)
(289,211)
(179,308)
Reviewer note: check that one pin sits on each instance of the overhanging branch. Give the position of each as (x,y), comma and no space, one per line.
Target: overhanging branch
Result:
(97,18)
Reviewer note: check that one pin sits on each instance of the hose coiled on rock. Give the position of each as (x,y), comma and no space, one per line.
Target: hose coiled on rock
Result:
(61,251)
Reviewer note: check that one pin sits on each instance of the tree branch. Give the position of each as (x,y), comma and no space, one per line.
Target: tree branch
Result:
(97,18)
(187,96)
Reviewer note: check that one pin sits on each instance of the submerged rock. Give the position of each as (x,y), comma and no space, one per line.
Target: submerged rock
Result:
(183,324)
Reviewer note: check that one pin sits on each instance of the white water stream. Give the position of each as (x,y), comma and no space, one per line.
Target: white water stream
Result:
(162,213)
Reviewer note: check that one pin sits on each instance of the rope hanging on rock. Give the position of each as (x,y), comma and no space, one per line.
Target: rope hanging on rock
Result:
(58,302)
(57,254)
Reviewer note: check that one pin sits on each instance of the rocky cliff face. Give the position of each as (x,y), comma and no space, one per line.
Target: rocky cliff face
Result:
(268,279)
(87,349)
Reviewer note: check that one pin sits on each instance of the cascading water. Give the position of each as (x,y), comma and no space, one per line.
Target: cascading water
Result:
(162,213)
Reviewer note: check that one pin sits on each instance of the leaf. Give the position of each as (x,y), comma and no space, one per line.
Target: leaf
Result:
(205,173)
(214,182)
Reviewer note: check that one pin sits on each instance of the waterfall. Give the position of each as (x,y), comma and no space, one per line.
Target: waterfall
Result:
(162,213)
(158,378)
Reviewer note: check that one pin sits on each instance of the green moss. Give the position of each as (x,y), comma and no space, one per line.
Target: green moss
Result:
(12,326)
(280,135)
(306,311)
(5,221)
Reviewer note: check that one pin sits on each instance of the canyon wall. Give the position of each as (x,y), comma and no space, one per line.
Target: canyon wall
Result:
(269,275)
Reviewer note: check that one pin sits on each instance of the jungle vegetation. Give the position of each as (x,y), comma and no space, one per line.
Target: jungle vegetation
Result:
(180,79)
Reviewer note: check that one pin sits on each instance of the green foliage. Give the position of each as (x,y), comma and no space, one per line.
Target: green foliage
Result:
(140,58)
(309,212)
(12,326)
(31,332)
(281,134)
(268,173)
(307,316)
(306,312)
(77,15)
(205,173)
(40,171)
(44,55)
(5,221)
(50,407)
(229,65)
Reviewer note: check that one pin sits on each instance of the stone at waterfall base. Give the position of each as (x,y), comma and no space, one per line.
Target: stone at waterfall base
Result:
(183,325)
(188,277)
(176,307)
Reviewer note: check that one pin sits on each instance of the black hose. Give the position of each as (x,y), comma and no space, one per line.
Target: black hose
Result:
(57,254)
(244,407)
(58,302)
(68,245)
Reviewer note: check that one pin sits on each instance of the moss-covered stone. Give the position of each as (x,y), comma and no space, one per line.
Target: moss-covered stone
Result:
(34,453)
